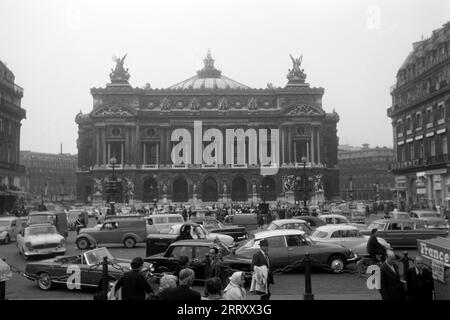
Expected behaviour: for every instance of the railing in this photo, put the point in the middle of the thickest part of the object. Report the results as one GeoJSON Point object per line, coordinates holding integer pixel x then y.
{"type": "Point", "coordinates": [421, 162]}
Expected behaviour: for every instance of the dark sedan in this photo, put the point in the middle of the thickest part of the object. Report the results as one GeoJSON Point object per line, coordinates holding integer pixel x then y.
{"type": "Point", "coordinates": [215, 226]}
{"type": "Point", "coordinates": [196, 251]}
{"type": "Point", "coordinates": [61, 270]}
{"type": "Point", "coordinates": [404, 232]}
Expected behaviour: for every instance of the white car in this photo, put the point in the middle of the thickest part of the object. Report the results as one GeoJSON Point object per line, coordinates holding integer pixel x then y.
{"type": "Point", "coordinates": [40, 239]}
{"type": "Point", "coordinates": [340, 219]}
{"type": "Point", "coordinates": [283, 224]}
{"type": "Point", "coordinates": [199, 232]}
{"type": "Point", "coordinates": [10, 226]}
{"type": "Point", "coordinates": [345, 235]}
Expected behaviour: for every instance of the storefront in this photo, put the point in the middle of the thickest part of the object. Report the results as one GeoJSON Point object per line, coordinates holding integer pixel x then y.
{"type": "Point", "coordinates": [436, 252]}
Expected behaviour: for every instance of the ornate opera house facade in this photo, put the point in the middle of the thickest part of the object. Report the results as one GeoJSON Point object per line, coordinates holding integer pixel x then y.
{"type": "Point", "coordinates": [286, 150]}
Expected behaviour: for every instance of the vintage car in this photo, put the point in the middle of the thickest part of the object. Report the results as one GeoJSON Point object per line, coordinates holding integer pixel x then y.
{"type": "Point", "coordinates": [340, 219]}
{"type": "Point", "coordinates": [158, 242]}
{"type": "Point", "coordinates": [312, 221]}
{"type": "Point", "coordinates": [10, 226]}
{"type": "Point", "coordinates": [214, 226]}
{"type": "Point", "coordinates": [399, 215]}
{"type": "Point", "coordinates": [196, 251]}
{"type": "Point", "coordinates": [403, 232]}
{"type": "Point", "coordinates": [57, 218]}
{"type": "Point", "coordinates": [296, 224]}
{"type": "Point", "coordinates": [49, 272]}
{"type": "Point", "coordinates": [115, 229]}
{"type": "Point", "coordinates": [287, 247]}
{"type": "Point", "coordinates": [40, 239]}
{"type": "Point", "coordinates": [344, 235]}
{"type": "Point", "coordinates": [432, 219]}
{"type": "Point", "coordinates": [161, 223]}
{"type": "Point", "coordinates": [248, 220]}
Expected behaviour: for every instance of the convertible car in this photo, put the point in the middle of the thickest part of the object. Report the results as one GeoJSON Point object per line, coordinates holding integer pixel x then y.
{"type": "Point", "coordinates": [49, 272]}
{"type": "Point", "coordinates": [215, 226]}
{"type": "Point", "coordinates": [286, 247]}
{"type": "Point", "coordinates": [159, 242]}
{"type": "Point", "coordinates": [197, 250]}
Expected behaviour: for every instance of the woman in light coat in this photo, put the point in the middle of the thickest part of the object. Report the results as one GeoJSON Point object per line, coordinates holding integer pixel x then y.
{"type": "Point", "coordinates": [235, 289]}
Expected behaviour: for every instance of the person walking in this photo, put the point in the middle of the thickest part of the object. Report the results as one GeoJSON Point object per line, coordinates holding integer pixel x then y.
{"type": "Point", "coordinates": [184, 291]}
{"type": "Point", "coordinates": [260, 219]}
{"type": "Point", "coordinates": [133, 283]}
{"type": "Point", "coordinates": [419, 280]}
{"type": "Point", "coordinates": [184, 214]}
{"type": "Point", "coordinates": [214, 266]}
{"type": "Point", "coordinates": [261, 258]}
{"type": "Point", "coordinates": [392, 287]}
{"type": "Point", "coordinates": [235, 289]}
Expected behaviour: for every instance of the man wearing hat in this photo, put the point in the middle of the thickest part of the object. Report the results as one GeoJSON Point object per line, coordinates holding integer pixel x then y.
{"type": "Point", "coordinates": [261, 258]}
{"type": "Point", "coordinates": [133, 283]}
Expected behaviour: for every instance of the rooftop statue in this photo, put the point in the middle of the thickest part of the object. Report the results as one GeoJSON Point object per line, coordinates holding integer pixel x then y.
{"type": "Point", "coordinates": [119, 74]}
{"type": "Point", "coordinates": [296, 74]}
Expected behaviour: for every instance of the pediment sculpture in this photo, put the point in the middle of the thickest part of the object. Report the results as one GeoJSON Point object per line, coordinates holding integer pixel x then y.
{"type": "Point", "coordinates": [114, 111]}
{"type": "Point", "coordinates": [304, 110]}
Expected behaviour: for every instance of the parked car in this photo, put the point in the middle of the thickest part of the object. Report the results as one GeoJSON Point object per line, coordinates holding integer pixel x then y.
{"type": "Point", "coordinates": [432, 219]}
{"type": "Point", "coordinates": [399, 215]}
{"type": "Point", "coordinates": [161, 223]}
{"type": "Point", "coordinates": [247, 220]}
{"type": "Point", "coordinates": [344, 235]}
{"type": "Point", "coordinates": [296, 224]}
{"type": "Point", "coordinates": [287, 247]}
{"type": "Point", "coordinates": [214, 226]}
{"type": "Point", "coordinates": [403, 232]}
{"type": "Point", "coordinates": [89, 263]}
{"type": "Point", "coordinates": [10, 226]}
{"type": "Point", "coordinates": [128, 231]}
{"type": "Point", "coordinates": [339, 219]}
{"type": "Point", "coordinates": [40, 239]}
{"type": "Point", "coordinates": [158, 242]}
{"type": "Point", "coordinates": [57, 218]}
{"type": "Point", "coordinates": [196, 250]}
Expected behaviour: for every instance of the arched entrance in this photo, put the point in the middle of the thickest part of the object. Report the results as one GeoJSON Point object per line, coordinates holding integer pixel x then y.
{"type": "Point", "coordinates": [150, 190]}
{"type": "Point", "coordinates": [268, 192]}
{"type": "Point", "coordinates": [180, 190]}
{"type": "Point", "coordinates": [209, 190]}
{"type": "Point", "coordinates": [239, 190]}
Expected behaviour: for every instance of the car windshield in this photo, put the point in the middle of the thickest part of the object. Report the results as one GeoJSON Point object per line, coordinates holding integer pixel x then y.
{"type": "Point", "coordinates": [40, 218]}
{"type": "Point", "coordinates": [4, 223]}
{"type": "Point", "coordinates": [376, 225]}
{"type": "Point", "coordinates": [96, 256]}
{"type": "Point", "coordinates": [319, 234]}
{"type": "Point", "coordinates": [247, 245]}
{"type": "Point", "coordinates": [40, 230]}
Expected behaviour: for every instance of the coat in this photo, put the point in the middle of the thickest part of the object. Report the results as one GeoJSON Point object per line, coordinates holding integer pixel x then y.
{"type": "Point", "coordinates": [392, 288]}
{"type": "Point", "coordinates": [259, 260]}
{"type": "Point", "coordinates": [180, 293]}
{"type": "Point", "coordinates": [420, 287]}
{"type": "Point", "coordinates": [259, 280]}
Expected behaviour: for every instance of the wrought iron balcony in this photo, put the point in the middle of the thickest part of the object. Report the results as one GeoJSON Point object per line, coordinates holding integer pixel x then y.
{"type": "Point", "coordinates": [421, 162]}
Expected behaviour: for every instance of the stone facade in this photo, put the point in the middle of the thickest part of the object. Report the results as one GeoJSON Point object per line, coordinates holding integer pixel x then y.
{"type": "Point", "coordinates": [11, 115]}
{"type": "Point", "coordinates": [137, 125]}
{"type": "Point", "coordinates": [420, 116]}
{"type": "Point", "coordinates": [364, 173]}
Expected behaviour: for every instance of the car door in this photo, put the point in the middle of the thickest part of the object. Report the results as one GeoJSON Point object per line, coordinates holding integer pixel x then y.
{"type": "Point", "coordinates": [394, 234]}
{"type": "Point", "coordinates": [297, 248]}
{"type": "Point", "coordinates": [278, 252]}
{"type": "Point", "coordinates": [410, 233]}
{"type": "Point", "coordinates": [108, 232]}
{"type": "Point", "coordinates": [337, 237]}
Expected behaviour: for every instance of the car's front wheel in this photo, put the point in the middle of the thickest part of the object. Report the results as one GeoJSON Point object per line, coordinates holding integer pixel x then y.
{"type": "Point", "coordinates": [129, 242]}
{"type": "Point", "coordinates": [336, 263]}
{"type": "Point", "coordinates": [44, 281]}
{"type": "Point", "coordinates": [83, 243]}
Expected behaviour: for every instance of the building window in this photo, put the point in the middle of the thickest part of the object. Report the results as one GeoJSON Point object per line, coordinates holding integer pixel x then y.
{"type": "Point", "coordinates": [432, 147]}
{"type": "Point", "coordinates": [418, 120]}
{"type": "Point", "coordinates": [409, 124]}
{"type": "Point", "coordinates": [1, 125]}
{"type": "Point", "coordinates": [441, 111]}
{"type": "Point", "coordinates": [444, 144]}
{"type": "Point", "coordinates": [116, 150]}
{"type": "Point", "coordinates": [430, 116]}
{"type": "Point", "coordinates": [150, 153]}
{"type": "Point", "coordinates": [411, 149]}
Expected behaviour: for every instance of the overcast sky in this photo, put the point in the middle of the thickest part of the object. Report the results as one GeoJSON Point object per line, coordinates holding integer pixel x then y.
{"type": "Point", "coordinates": [59, 50]}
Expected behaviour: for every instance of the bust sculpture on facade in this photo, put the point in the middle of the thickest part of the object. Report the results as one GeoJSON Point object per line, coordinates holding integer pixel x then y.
{"type": "Point", "coordinates": [119, 74]}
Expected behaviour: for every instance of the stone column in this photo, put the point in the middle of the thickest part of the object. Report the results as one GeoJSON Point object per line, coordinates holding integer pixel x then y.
{"type": "Point", "coordinates": [137, 146]}
{"type": "Point", "coordinates": [289, 145]}
{"type": "Point", "coordinates": [318, 145]}
{"type": "Point", "coordinates": [283, 149]}
{"type": "Point", "coordinates": [307, 151]}
{"type": "Point", "coordinates": [163, 146]}
{"type": "Point", "coordinates": [313, 146]}
{"type": "Point", "coordinates": [104, 146]}
{"type": "Point", "coordinates": [97, 146]}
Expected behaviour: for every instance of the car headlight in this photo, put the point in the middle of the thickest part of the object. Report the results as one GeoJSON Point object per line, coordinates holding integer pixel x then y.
{"type": "Point", "coordinates": [62, 243]}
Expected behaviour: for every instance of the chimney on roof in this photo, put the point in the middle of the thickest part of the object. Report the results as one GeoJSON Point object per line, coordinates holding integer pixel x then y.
{"type": "Point", "coordinates": [365, 146]}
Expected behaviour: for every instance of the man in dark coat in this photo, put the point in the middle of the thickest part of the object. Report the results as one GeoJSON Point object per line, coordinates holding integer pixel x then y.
{"type": "Point", "coordinates": [184, 291]}
{"type": "Point", "coordinates": [392, 288]}
{"type": "Point", "coordinates": [184, 214]}
{"type": "Point", "coordinates": [133, 283]}
{"type": "Point", "coordinates": [261, 258]}
{"type": "Point", "coordinates": [374, 248]}
{"type": "Point", "coordinates": [214, 266]}
{"type": "Point", "coordinates": [420, 281]}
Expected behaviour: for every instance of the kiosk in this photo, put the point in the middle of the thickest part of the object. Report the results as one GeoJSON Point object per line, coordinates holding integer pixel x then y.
{"type": "Point", "coordinates": [437, 252]}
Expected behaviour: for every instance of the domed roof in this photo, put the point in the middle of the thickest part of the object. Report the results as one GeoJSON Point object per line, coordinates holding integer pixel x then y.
{"type": "Point", "coordinates": [209, 78]}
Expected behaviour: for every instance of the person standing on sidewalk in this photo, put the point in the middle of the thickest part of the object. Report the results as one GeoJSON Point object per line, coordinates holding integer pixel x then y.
{"type": "Point", "coordinates": [261, 258]}
{"type": "Point", "coordinates": [392, 287]}
{"type": "Point", "coordinates": [133, 283]}
{"type": "Point", "coordinates": [420, 281]}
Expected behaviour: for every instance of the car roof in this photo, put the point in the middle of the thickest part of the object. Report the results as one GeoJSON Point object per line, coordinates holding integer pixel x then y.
{"type": "Point", "coordinates": [203, 218]}
{"type": "Point", "coordinates": [275, 233]}
{"type": "Point", "coordinates": [163, 215]}
{"type": "Point", "coordinates": [331, 215]}
{"type": "Point", "coordinates": [335, 227]}
{"type": "Point", "coordinates": [193, 242]}
{"type": "Point", "coordinates": [286, 221]}
{"type": "Point", "coordinates": [40, 225]}
{"type": "Point", "coordinates": [36, 213]}
{"type": "Point", "coordinates": [425, 211]}
{"type": "Point", "coordinates": [394, 220]}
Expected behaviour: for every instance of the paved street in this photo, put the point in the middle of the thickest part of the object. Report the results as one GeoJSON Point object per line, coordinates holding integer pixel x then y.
{"type": "Point", "coordinates": [346, 286]}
